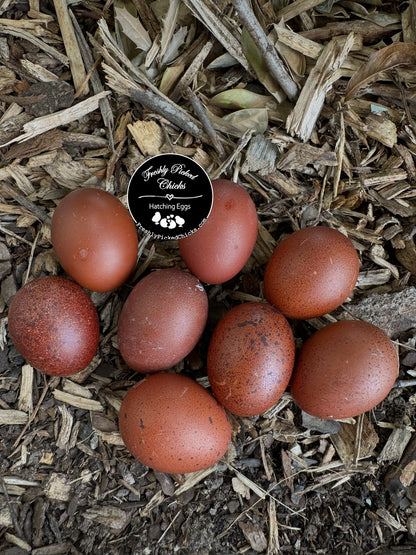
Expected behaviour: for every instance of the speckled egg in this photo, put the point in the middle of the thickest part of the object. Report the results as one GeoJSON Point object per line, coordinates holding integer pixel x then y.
{"type": "Point", "coordinates": [311, 272]}
{"type": "Point", "coordinates": [250, 358]}
{"type": "Point", "coordinates": [162, 320]}
{"type": "Point", "coordinates": [172, 424]}
{"type": "Point", "coordinates": [54, 325]}
{"type": "Point", "coordinates": [344, 369]}
{"type": "Point", "coordinates": [95, 239]}
{"type": "Point", "coordinates": [221, 247]}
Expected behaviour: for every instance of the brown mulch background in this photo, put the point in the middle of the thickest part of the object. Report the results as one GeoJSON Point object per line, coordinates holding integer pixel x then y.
{"type": "Point", "coordinates": [84, 99]}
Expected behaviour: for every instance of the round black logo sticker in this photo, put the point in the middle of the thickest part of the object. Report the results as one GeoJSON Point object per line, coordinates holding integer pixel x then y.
{"type": "Point", "coordinates": [169, 196]}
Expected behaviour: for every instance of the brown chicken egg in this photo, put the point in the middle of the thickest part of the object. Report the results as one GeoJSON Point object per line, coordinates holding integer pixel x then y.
{"type": "Point", "coordinates": [344, 369]}
{"type": "Point", "coordinates": [162, 320]}
{"type": "Point", "coordinates": [311, 272]}
{"type": "Point", "coordinates": [221, 247]}
{"type": "Point", "coordinates": [95, 239]}
{"type": "Point", "coordinates": [54, 325]}
{"type": "Point", "coordinates": [172, 424]}
{"type": "Point", "coordinates": [250, 358]}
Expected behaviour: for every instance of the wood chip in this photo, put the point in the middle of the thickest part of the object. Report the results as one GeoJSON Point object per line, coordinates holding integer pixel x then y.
{"type": "Point", "coordinates": [67, 421]}
{"type": "Point", "coordinates": [18, 542]}
{"type": "Point", "coordinates": [13, 417]}
{"type": "Point", "coordinates": [396, 444]}
{"type": "Point", "coordinates": [345, 441]}
{"type": "Point", "coordinates": [254, 535]}
{"type": "Point", "coordinates": [63, 117]}
{"type": "Point", "coordinates": [76, 389]}
{"type": "Point", "coordinates": [57, 487]}
{"type": "Point", "coordinates": [147, 135]}
{"type": "Point", "coordinates": [109, 516]}
{"type": "Point", "coordinates": [302, 119]}
{"type": "Point", "coordinates": [26, 389]}
{"type": "Point", "coordinates": [76, 401]}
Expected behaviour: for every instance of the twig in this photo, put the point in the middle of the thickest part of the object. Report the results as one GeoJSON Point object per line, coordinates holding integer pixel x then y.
{"type": "Point", "coordinates": [200, 111]}
{"type": "Point", "coordinates": [23, 201]}
{"type": "Point", "coordinates": [242, 143]}
{"type": "Point", "coordinates": [104, 104]}
{"type": "Point", "coordinates": [274, 63]}
{"type": "Point", "coordinates": [358, 439]}
{"type": "Point", "coordinates": [32, 253]}
{"type": "Point", "coordinates": [165, 109]}
{"type": "Point", "coordinates": [7, 231]}
{"type": "Point", "coordinates": [71, 45]}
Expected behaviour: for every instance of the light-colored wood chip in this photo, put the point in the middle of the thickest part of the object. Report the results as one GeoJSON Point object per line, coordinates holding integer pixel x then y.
{"type": "Point", "coordinates": [76, 401]}
{"type": "Point", "coordinates": [76, 389]}
{"type": "Point", "coordinates": [67, 421]}
{"type": "Point", "coordinates": [13, 417]}
{"type": "Point", "coordinates": [148, 136]}
{"type": "Point", "coordinates": [395, 445]}
{"type": "Point", "coordinates": [25, 403]}
{"type": "Point", "coordinates": [302, 119]}
{"type": "Point", "coordinates": [58, 487]}
{"type": "Point", "coordinates": [71, 44]}
{"type": "Point", "coordinates": [63, 117]}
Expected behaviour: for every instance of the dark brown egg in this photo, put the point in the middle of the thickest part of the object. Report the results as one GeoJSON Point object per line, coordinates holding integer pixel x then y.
{"type": "Point", "coordinates": [162, 320]}
{"type": "Point", "coordinates": [311, 272]}
{"type": "Point", "coordinates": [95, 239]}
{"type": "Point", "coordinates": [344, 369]}
{"type": "Point", "coordinates": [221, 247]}
{"type": "Point", "coordinates": [172, 424]}
{"type": "Point", "coordinates": [54, 325]}
{"type": "Point", "coordinates": [250, 358]}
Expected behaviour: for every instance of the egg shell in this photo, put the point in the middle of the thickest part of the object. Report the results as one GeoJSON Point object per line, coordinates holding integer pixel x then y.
{"type": "Point", "coordinates": [172, 424]}
{"type": "Point", "coordinates": [221, 247]}
{"type": "Point", "coordinates": [250, 358]}
{"type": "Point", "coordinates": [54, 325]}
{"type": "Point", "coordinates": [344, 370]}
{"type": "Point", "coordinates": [311, 272]}
{"type": "Point", "coordinates": [95, 239]}
{"type": "Point", "coordinates": [162, 320]}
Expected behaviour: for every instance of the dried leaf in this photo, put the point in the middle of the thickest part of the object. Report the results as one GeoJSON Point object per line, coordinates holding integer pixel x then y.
{"type": "Point", "coordinates": [205, 11]}
{"type": "Point", "coordinates": [396, 54]}
{"type": "Point", "coordinates": [170, 77]}
{"type": "Point", "coordinates": [169, 24]}
{"type": "Point", "coordinates": [133, 29]}
{"type": "Point", "coordinates": [222, 62]}
{"type": "Point", "coordinates": [174, 45]}
{"type": "Point", "coordinates": [255, 119]}
{"type": "Point", "coordinates": [253, 55]}
{"type": "Point", "coordinates": [293, 58]}
{"type": "Point", "coordinates": [234, 99]}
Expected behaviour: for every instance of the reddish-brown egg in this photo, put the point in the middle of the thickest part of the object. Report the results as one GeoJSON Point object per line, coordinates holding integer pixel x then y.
{"type": "Point", "coordinates": [311, 272]}
{"type": "Point", "coordinates": [95, 239]}
{"type": "Point", "coordinates": [250, 358]}
{"type": "Point", "coordinates": [162, 320]}
{"type": "Point", "coordinates": [54, 325]}
{"type": "Point", "coordinates": [344, 369]}
{"type": "Point", "coordinates": [221, 247]}
{"type": "Point", "coordinates": [172, 424]}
